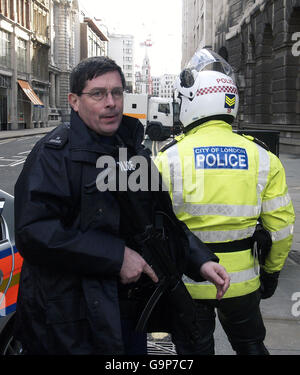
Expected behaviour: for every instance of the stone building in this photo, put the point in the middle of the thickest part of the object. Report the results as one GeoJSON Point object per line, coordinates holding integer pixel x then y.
{"type": "Point", "coordinates": [166, 88]}
{"type": "Point", "coordinates": [155, 85]}
{"type": "Point", "coordinates": [24, 46]}
{"type": "Point", "coordinates": [40, 43]}
{"type": "Point", "coordinates": [74, 36]}
{"type": "Point", "coordinates": [63, 56]}
{"type": "Point", "coordinates": [259, 38]}
{"type": "Point", "coordinates": [39, 50]}
{"type": "Point", "coordinates": [146, 76]}
{"type": "Point", "coordinates": [93, 39]}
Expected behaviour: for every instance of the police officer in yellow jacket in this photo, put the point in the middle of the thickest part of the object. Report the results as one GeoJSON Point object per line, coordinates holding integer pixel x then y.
{"type": "Point", "coordinates": [222, 184]}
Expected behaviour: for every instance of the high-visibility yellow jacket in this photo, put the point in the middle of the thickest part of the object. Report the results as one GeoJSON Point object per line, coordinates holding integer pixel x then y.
{"type": "Point", "coordinates": [221, 183]}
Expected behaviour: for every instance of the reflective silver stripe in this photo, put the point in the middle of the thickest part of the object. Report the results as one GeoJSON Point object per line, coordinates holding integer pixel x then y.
{"type": "Point", "coordinates": [221, 209]}
{"type": "Point", "coordinates": [283, 233]}
{"type": "Point", "coordinates": [263, 172]}
{"type": "Point", "coordinates": [235, 277]}
{"type": "Point", "coordinates": [224, 235]}
{"type": "Point", "coordinates": [175, 177]}
{"type": "Point", "coordinates": [276, 203]}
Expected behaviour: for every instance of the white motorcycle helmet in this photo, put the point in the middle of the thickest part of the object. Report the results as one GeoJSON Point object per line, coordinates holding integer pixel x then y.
{"type": "Point", "coordinates": [207, 88]}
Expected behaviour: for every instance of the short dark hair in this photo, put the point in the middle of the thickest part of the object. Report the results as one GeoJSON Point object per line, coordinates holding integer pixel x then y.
{"type": "Point", "coordinates": [91, 68]}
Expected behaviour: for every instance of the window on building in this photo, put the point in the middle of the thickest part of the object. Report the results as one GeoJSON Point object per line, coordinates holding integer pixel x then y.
{"type": "Point", "coordinates": [22, 100]}
{"type": "Point", "coordinates": [20, 7]}
{"type": "Point", "coordinates": [4, 48]}
{"type": "Point", "coordinates": [96, 47]}
{"type": "Point", "coordinates": [90, 46]}
{"type": "Point", "coordinates": [45, 2]}
{"type": "Point", "coordinates": [5, 82]}
{"type": "Point", "coordinates": [40, 18]}
{"type": "Point", "coordinates": [21, 55]}
{"type": "Point", "coordinates": [127, 42]}
{"type": "Point", "coordinates": [40, 62]}
{"type": "Point", "coordinates": [38, 112]}
{"type": "Point", "coordinates": [5, 102]}
{"type": "Point", "coordinates": [7, 8]}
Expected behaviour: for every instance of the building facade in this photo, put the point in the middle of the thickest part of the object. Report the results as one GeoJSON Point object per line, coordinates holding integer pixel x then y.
{"type": "Point", "coordinates": [146, 76]}
{"type": "Point", "coordinates": [63, 56]}
{"type": "Point", "coordinates": [121, 49]}
{"type": "Point", "coordinates": [40, 43]}
{"type": "Point", "coordinates": [39, 46]}
{"type": "Point", "coordinates": [259, 38]}
{"type": "Point", "coordinates": [23, 40]}
{"type": "Point", "coordinates": [155, 86]}
{"type": "Point", "coordinates": [93, 40]}
{"type": "Point", "coordinates": [74, 36]}
{"type": "Point", "coordinates": [166, 85]}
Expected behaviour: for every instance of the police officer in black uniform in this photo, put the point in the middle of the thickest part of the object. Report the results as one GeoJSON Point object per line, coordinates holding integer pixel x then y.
{"type": "Point", "coordinates": [78, 270]}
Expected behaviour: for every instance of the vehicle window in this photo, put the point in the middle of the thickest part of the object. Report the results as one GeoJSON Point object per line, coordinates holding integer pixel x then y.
{"type": "Point", "coordinates": [164, 107]}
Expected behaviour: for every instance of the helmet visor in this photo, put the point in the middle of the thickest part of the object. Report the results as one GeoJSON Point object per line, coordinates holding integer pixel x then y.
{"type": "Point", "coordinates": [204, 59]}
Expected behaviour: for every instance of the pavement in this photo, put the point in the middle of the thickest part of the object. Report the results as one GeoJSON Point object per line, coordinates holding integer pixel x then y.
{"type": "Point", "coordinates": [6, 134]}
{"type": "Point", "coordinates": [281, 313]}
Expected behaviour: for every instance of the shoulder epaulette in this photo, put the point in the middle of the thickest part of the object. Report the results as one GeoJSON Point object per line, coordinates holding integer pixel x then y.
{"type": "Point", "coordinates": [58, 137]}
{"type": "Point", "coordinates": [257, 141]}
{"type": "Point", "coordinates": [172, 143]}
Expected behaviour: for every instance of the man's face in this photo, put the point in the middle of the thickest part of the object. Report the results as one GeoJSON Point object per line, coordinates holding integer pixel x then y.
{"type": "Point", "coordinates": [103, 116]}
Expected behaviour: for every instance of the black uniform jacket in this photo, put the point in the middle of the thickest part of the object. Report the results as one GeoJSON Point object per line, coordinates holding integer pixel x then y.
{"type": "Point", "coordinates": [67, 232]}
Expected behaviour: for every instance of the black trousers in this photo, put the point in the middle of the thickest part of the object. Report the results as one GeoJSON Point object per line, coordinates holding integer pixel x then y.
{"type": "Point", "coordinates": [241, 320]}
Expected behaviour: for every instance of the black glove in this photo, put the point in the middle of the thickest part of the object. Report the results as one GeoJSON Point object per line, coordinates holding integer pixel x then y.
{"type": "Point", "coordinates": [264, 243]}
{"type": "Point", "coordinates": [268, 283]}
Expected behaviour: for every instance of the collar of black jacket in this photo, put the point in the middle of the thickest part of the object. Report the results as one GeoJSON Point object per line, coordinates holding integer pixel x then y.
{"type": "Point", "coordinates": [86, 145]}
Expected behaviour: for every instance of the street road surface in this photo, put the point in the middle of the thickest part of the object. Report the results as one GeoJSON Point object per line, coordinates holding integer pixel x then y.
{"type": "Point", "coordinates": [13, 153]}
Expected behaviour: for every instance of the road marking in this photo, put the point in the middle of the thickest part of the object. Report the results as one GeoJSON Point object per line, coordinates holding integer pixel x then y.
{"type": "Point", "coordinates": [13, 161]}
{"type": "Point", "coordinates": [19, 162]}
{"type": "Point", "coordinates": [21, 139]}
{"type": "Point", "coordinates": [20, 158]}
{"type": "Point", "coordinates": [7, 141]}
{"type": "Point", "coordinates": [4, 159]}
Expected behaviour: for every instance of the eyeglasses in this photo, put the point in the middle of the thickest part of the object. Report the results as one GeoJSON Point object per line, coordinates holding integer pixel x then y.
{"type": "Point", "coordinates": [99, 94]}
